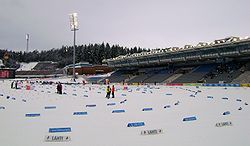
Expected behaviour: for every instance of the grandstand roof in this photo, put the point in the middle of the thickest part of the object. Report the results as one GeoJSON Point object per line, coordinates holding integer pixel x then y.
{"type": "Point", "coordinates": [80, 64]}
{"type": "Point", "coordinates": [200, 45]}
{"type": "Point", "coordinates": [227, 47]}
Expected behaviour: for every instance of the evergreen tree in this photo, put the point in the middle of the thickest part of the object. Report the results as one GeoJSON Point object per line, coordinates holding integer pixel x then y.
{"type": "Point", "coordinates": [92, 53]}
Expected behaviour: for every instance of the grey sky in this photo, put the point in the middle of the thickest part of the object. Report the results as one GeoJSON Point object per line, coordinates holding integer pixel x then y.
{"type": "Point", "coordinates": [144, 23]}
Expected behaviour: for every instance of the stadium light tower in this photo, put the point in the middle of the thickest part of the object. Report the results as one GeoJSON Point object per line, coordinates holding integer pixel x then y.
{"type": "Point", "coordinates": [27, 43]}
{"type": "Point", "coordinates": [74, 27]}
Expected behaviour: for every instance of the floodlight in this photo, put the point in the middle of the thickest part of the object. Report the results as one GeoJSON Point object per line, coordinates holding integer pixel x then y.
{"type": "Point", "coordinates": [73, 21]}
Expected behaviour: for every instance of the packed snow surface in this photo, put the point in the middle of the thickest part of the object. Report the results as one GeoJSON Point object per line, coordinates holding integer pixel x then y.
{"type": "Point", "coordinates": [137, 116]}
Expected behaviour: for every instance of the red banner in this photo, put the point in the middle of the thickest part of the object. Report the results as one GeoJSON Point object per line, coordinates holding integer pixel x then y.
{"type": "Point", "coordinates": [174, 84]}
{"type": "Point", "coordinates": [4, 74]}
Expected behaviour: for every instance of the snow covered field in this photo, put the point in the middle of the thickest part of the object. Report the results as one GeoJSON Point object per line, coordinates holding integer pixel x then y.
{"type": "Point", "coordinates": [160, 124]}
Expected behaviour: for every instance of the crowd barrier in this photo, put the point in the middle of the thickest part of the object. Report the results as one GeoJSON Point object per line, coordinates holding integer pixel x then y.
{"type": "Point", "coordinates": [245, 85]}
{"type": "Point", "coordinates": [174, 84]}
{"type": "Point", "coordinates": [192, 84]}
{"type": "Point", "coordinates": [208, 84]}
{"type": "Point", "coordinates": [221, 85]}
{"type": "Point", "coordinates": [198, 84]}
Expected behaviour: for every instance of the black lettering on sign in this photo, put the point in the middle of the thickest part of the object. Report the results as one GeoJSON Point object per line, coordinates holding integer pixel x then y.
{"type": "Point", "coordinates": [54, 138]}
{"type": "Point", "coordinates": [151, 132]}
{"type": "Point", "coordinates": [222, 124]}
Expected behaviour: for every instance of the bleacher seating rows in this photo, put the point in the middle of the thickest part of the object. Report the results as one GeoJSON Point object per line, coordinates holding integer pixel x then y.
{"type": "Point", "coordinates": [94, 79]}
{"type": "Point", "coordinates": [224, 72]}
{"type": "Point", "coordinates": [159, 77]}
{"type": "Point", "coordinates": [196, 74]}
{"type": "Point", "coordinates": [185, 74]}
{"type": "Point", "coordinates": [118, 76]}
{"type": "Point", "coordinates": [47, 65]}
{"type": "Point", "coordinates": [141, 77]}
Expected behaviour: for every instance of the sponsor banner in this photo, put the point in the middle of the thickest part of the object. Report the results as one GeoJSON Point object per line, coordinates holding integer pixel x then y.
{"type": "Point", "coordinates": [151, 132]}
{"type": "Point", "coordinates": [110, 104]}
{"type": "Point", "coordinates": [222, 124]}
{"type": "Point", "coordinates": [174, 84]}
{"type": "Point", "coordinates": [54, 138]}
{"type": "Point", "coordinates": [80, 113]}
{"type": "Point", "coordinates": [192, 84]}
{"type": "Point", "coordinates": [193, 118]}
{"type": "Point", "coordinates": [136, 124]}
{"type": "Point", "coordinates": [118, 111]}
{"type": "Point", "coordinates": [147, 109]}
{"type": "Point", "coordinates": [226, 113]}
{"type": "Point", "coordinates": [91, 105]}
{"type": "Point", "coordinates": [50, 107]}
{"type": "Point", "coordinates": [54, 130]}
{"type": "Point", "coordinates": [221, 85]}
{"type": "Point", "coordinates": [135, 84]}
{"type": "Point", "coordinates": [32, 115]}
{"type": "Point", "coordinates": [245, 85]}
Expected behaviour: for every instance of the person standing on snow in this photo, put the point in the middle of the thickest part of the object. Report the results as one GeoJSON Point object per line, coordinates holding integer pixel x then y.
{"type": "Point", "coordinates": [59, 88]}
{"type": "Point", "coordinates": [108, 91]}
{"type": "Point", "coordinates": [113, 91]}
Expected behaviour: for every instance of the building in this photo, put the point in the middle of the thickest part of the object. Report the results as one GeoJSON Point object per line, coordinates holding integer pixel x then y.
{"type": "Point", "coordinates": [87, 69]}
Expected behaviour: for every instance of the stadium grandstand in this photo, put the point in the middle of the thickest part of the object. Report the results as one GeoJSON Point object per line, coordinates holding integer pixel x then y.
{"type": "Point", "coordinates": [27, 66]}
{"type": "Point", "coordinates": [220, 61]}
{"type": "Point", "coordinates": [39, 70]}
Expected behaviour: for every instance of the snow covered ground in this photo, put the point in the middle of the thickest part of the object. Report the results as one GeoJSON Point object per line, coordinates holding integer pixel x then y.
{"type": "Point", "coordinates": [98, 126]}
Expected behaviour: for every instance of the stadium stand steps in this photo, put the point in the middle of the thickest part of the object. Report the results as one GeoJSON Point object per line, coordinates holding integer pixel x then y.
{"type": "Point", "coordinates": [196, 74]}
{"type": "Point", "coordinates": [243, 78]}
{"type": "Point", "coordinates": [141, 78]}
{"type": "Point", "coordinates": [159, 77]}
{"type": "Point", "coordinates": [172, 78]}
{"type": "Point", "coordinates": [119, 76]}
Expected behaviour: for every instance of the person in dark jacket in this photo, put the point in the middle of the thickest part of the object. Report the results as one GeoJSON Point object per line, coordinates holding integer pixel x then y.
{"type": "Point", "coordinates": [59, 88]}
{"type": "Point", "coordinates": [113, 91]}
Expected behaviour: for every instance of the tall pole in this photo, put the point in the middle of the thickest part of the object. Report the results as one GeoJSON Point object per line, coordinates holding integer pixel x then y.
{"type": "Point", "coordinates": [74, 55]}
{"type": "Point", "coordinates": [74, 27]}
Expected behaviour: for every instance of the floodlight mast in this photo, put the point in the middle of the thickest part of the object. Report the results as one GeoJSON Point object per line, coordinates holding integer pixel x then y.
{"type": "Point", "coordinates": [74, 27]}
{"type": "Point", "coordinates": [27, 42]}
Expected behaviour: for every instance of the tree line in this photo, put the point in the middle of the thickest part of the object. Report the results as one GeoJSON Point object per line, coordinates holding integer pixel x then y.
{"type": "Point", "coordinates": [92, 53]}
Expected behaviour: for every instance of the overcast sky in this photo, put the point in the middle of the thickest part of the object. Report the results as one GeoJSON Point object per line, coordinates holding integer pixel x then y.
{"type": "Point", "coordinates": [144, 23]}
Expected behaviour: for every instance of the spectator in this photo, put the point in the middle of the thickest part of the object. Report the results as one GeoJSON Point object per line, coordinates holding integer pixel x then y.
{"type": "Point", "coordinates": [59, 88]}
{"type": "Point", "coordinates": [108, 91]}
{"type": "Point", "coordinates": [16, 84]}
{"type": "Point", "coordinates": [113, 91]}
{"type": "Point", "coordinates": [12, 84]}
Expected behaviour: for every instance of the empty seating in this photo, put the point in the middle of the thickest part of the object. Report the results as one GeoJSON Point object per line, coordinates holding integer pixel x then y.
{"type": "Point", "coordinates": [159, 77]}
{"type": "Point", "coordinates": [196, 74]}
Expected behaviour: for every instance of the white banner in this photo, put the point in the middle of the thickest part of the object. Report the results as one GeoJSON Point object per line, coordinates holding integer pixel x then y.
{"type": "Point", "coordinates": [222, 124]}
{"type": "Point", "coordinates": [151, 132]}
{"type": "Point", "coordinates": [54, 138]}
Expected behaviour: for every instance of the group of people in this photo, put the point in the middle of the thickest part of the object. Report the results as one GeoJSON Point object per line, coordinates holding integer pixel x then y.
{"type": "Point", "coordinates": [110, 91]}
{"type": "Point", "coordinates": [14, 85]}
